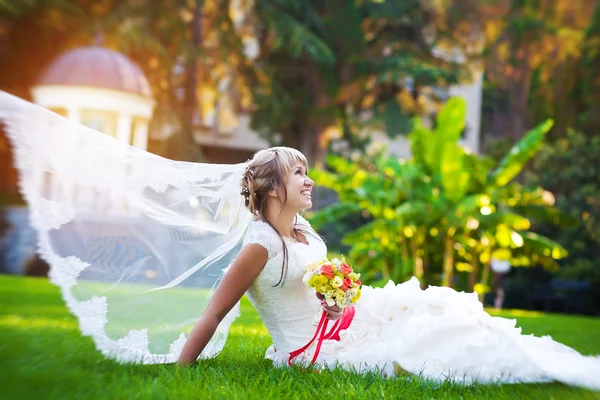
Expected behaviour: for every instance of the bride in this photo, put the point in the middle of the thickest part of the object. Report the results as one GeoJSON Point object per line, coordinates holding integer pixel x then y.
{"type": "Point", "coordinates": [153, 264]}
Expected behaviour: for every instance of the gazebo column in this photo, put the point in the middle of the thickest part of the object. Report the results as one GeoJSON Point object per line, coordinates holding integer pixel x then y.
{"type": "Point", "coordinates": [60, 190]}
{"type": "Point", "coordinates": [140, 138]}
{"type": "Point", "coordinates": [74, 114]}
{"type": "Point", "coordinates": [124, 128]}
{"type": "Point", "coordinates": [124, 125]}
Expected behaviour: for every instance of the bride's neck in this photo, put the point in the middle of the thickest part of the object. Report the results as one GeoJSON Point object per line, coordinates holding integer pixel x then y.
{"type": "Point", "coordinates": [283, 220]}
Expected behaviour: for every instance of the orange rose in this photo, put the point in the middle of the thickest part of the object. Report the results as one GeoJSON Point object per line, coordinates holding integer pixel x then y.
{"type": "Point", "coordinates": [327, 271]}
{"type": "Point", "coordinates": [347, 284]}
{"type": "Point", "coordinates": [345, 269]}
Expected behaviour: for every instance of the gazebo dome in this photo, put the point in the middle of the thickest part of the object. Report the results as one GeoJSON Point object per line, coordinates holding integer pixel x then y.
{"type": "Point", "coordinates": [96, 66]}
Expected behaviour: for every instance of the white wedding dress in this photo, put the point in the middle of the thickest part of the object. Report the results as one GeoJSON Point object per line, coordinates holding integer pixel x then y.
{"type": "Point", "coordinates": [437, 332]}
{"type": "Point", "coordinates": [137, 242]}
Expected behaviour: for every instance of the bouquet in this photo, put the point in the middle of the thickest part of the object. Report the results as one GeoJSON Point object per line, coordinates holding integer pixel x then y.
{"type": "Point", "coordinates": [338, 284]}
{"type": "Point", "coordinates": [335, 280]}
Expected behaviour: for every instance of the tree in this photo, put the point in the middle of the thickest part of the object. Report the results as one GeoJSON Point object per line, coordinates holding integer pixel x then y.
{"type": "Point", "coordinates": [532, 51]}
{"type": "Point", "coordinates": [588, 90]}
{"type": "Point", "coordinates": [330, 68]}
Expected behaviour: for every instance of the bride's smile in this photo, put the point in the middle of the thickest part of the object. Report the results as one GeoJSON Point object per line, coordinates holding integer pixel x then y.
{"type": "Point", "coordinates": [299, 188]}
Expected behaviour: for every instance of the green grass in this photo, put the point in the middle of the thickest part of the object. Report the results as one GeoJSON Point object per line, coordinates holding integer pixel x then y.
{"type": "Point", "coordinates": [42, 355]}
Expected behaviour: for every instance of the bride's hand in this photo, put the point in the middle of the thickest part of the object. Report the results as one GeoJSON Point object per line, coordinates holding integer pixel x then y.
{"type": "Point", "coordinates": [333, 312]}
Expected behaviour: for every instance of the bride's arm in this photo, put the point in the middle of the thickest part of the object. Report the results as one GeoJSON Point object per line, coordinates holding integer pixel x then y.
{"type": "Point", "coordinates": [246, 267]}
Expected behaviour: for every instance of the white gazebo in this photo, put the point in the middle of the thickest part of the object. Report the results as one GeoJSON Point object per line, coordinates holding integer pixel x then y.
{"type": "Point", "coordinates": [99, 88]}
{"type": "Point", "coordinates": [106, 91]}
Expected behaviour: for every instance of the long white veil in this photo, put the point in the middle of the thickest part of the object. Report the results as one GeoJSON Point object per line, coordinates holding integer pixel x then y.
{"type": "Point", "coordinates": [136, 242]}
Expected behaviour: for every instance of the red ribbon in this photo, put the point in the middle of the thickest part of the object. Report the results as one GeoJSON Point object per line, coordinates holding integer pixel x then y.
{"type": "Point", "coordinates": [321, 333]}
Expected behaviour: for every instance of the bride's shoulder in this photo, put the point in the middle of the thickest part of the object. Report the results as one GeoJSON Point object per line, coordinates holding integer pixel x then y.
{"type": "Point", "coordinates": [261, 233]}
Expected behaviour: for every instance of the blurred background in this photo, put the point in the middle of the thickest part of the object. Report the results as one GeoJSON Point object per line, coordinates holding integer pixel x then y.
{"type": "Point", "coordinates": [453, 140]}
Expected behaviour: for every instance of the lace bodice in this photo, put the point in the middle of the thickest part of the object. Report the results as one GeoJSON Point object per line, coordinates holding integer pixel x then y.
{"type": "Point", "coordinates": [287, 310]}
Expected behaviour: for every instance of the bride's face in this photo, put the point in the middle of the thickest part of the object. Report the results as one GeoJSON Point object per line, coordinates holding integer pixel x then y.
{"type": "Point", "coordinates": [298, 187]}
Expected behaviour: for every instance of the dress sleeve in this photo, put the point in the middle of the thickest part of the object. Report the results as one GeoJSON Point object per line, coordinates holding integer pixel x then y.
{"type": "Point", "coordinates": [262, 234]}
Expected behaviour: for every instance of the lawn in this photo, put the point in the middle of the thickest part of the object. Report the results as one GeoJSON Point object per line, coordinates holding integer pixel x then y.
{"type": "Point", "coordinates": [42, 355]}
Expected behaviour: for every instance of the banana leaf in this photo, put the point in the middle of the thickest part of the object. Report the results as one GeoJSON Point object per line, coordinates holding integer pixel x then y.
{"type": "Point", "coordinates": [520, 154]}
{"type": "Point", "coordinates": [455, 177]}
{"type": "Point", "coordinates": [543, 245]}
{"type": "Point", "coordinates": [450, 124]}
{"type": "Point", "coordinates": [510, 219]}
{"type": "Point", "coordinates": [419, 139]}
{"type": "Point", "coordinates": [543, 213]}
{"type": "Point", "coordinates": [451, 120]}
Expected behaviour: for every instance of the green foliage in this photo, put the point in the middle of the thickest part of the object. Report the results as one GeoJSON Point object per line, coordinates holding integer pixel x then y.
{"type": "Point", "coordinates": [442, 201]}
{"type": "Point", "coordinates": [569, 169]}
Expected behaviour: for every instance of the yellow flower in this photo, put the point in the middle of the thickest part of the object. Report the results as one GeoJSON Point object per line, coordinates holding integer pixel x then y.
{"type": "Point", "coordinates": [354, 276]}
{"type": "Point", "coordinates": [316, 280]}
{"type": "Point", "coordinates": [356, 296]}
{"type": "Point", "coordinates": [340, 297]}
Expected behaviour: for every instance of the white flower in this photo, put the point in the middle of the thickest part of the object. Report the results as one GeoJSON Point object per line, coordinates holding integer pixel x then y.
{"type": "Point", "coordinates": [341, 299]}
{"type": "Point", "coordinates": [330, 301]}
{"type": "Point", "coordinates": [337, 282]}
{"type": "Point", "coordinates": [351, 293]}
{"type": "Point", "coordinates": [336, 262]}
{"type": "Point", "coordinates": [307, 276]}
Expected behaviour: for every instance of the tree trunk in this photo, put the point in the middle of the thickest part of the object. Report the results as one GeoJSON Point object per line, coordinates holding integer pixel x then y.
{"type": "Point", "coordinates": [426, 276]}
{"type": "Point", "coordinates": [401, 267]}
{"type": "Point", "coordinates": [306, 144]}
{"type": "Point", "coordinates": [312, 135]}
{"type": "Point", "coordinates": [448, 262]}
{"type": "Point", "coordinates": [189, 148]}
{"type": "Point", "coordinates": [418, 267]}
{"type": "Point", "coordinates": [309, 138]}
{"type": "Point", "coordinates": [485, 276]}
{"type": "Point", "coordinates": [475, 270]}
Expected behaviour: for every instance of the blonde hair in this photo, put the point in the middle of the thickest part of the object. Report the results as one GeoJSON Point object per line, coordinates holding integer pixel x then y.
{"type": "Point", "coordinates": [264, 173]}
